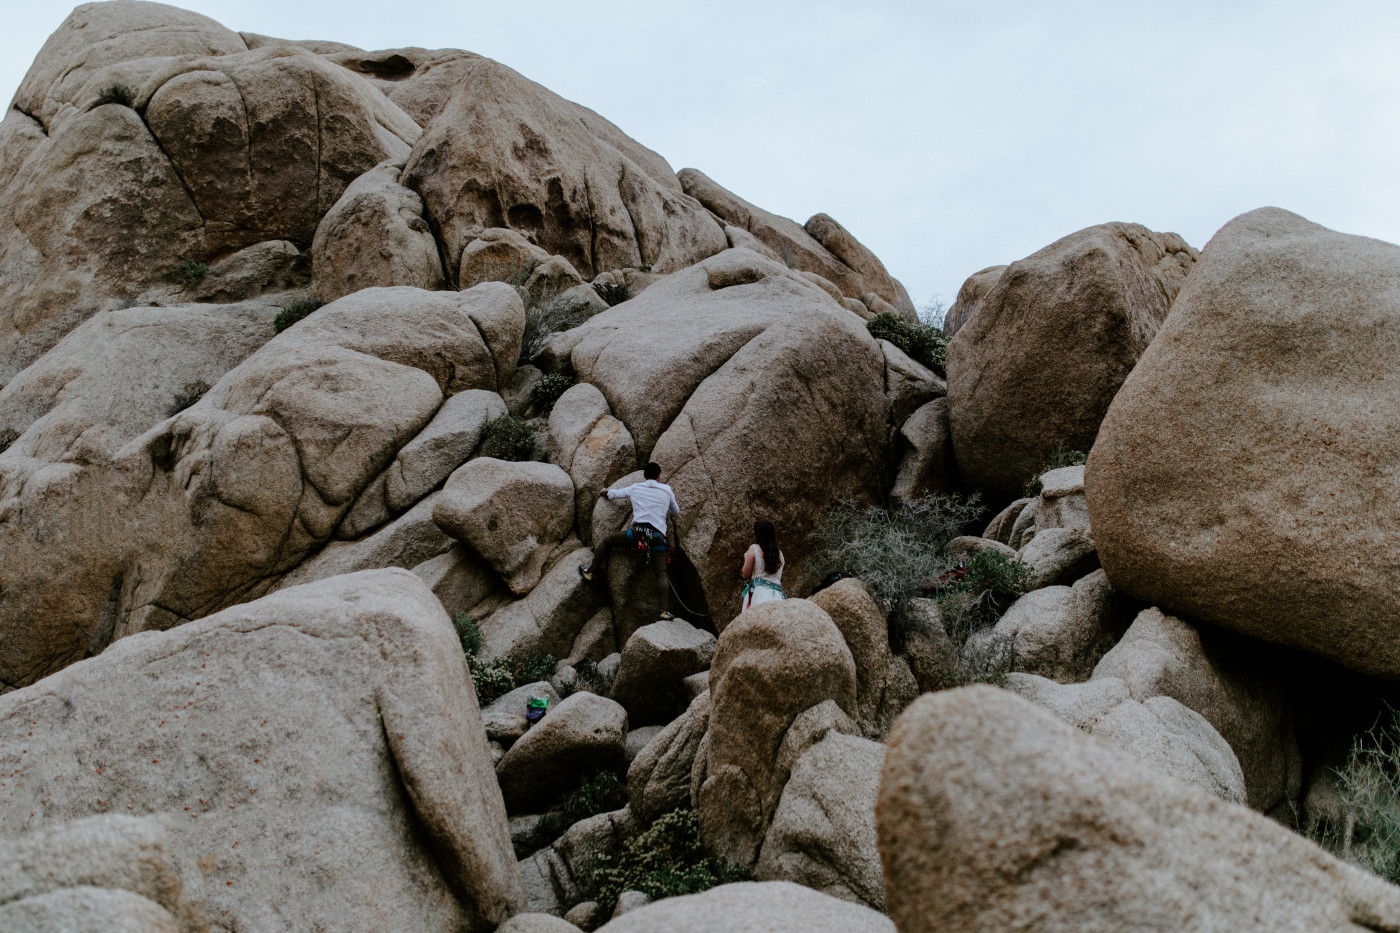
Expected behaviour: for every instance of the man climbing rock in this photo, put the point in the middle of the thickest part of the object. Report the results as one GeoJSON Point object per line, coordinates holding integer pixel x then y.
{"type": "Point", "coordinates": [653, 502]}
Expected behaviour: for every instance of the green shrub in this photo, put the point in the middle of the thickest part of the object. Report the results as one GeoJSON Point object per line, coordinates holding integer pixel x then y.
{"type": "Point", "coordinates": [592, 680]}
{"type": "Point", "coordinates": [493, 678]}
{"type": "Point", "coordinates": [601, 793]}
{"type": "Point", "coordinates": [508, 438]}
{"type": "Point", "coordinates": [548, 318]}
{"type": "Point", "coordinates": [993, 582]}
{"type": "Point", "coordinates": [1369, 785]}
{"type": "Point", "coordinates": [1060, 456]}
{"type": "Point", "coordinates": [190, 394]}
{"type": "Point", "coordinates": [468, 632]}
{"type": "Point", "coordinates": [116, 93]}
{"type": "Point", "coordinates": [612, 293]}
{"type": "Point", "coordinates": [897, 552]}
{"type": "Point", "coordinates": [665, 861]}
{"type": "Point", "coordinates": [923, 343]}
{"type": "Point", "coordinates": [547, 391]}
{"type": "Point", "coordinates": [189, 273]}
{"type": "Point", "coordinates": [534, 667]}
{"type": "Point", "coordinates": [294, 312]}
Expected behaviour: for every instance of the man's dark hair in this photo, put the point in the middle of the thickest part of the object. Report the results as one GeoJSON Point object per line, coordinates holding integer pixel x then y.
{"type": "Point", "coordinates": [652, 471]}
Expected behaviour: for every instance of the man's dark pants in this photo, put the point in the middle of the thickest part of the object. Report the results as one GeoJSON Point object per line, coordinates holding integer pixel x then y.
{"type": "Point", "coordinates": [658, 565]}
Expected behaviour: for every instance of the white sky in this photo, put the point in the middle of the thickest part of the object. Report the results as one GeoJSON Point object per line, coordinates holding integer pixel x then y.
{"type": "Point", "coordinates": [948, 135]}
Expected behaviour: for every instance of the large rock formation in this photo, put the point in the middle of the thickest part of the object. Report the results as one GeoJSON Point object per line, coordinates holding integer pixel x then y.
{"type": "Point", "coordinates": [1244, 475]}
{"type": "Point", "coordinates": [770, 907]}
{"type": "Point", "coordinates": [1050, 344]}
{"type": "Point", "coordinates": [331, 727]}
{"type": "Point", "coordinates": [993, 816]}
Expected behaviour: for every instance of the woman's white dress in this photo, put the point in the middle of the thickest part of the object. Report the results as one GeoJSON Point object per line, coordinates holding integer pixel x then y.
{"type": "Point", "coordinates": [756, 593]}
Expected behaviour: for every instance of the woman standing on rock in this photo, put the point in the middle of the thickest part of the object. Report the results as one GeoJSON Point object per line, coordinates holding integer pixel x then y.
{"type": "Point", "coordinates": [764, 585]}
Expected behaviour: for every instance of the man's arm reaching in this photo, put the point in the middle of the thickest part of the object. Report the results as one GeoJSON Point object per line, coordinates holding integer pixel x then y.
{"type": "Point", "coordinates": [623, 493]}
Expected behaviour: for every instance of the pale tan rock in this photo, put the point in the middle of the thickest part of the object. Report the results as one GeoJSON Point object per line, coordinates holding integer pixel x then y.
{"type": "Point", "coordinates": [411, 539]}
{"type": "Point", "coordinates": [1062, 500]}
{"type": "Point", "coordinates": [739, 238]}
{"type": "Point", "coordinates": [908, 385]}
{"type": "Point", "coordinates": [823, 832]}
{"type": "Point", "coordinates": [1160, 732]}
{"type": "Point", "coordinates": [639, 739]}
{"type": "Point", "coordinates": [441, 447]}
{"type": "Point", "coordinates": [536, 923]}
{"type": "Point", "coordinates": [932, 656]}
{"type": "Point", "coordinates": [658, 779]}
{"type": "Point", "coordinates": [366, 697]}
{"type": "Point", "coordinates": [654, 662]}
{"type": "Point", "coordinates": [459, 579]}
{"type": "Point", "coordinates": [1162, 655]}
{"type": "Point", "coordinates": [550, 279]}
{"type": "Point", "coordinates": [823, 284]}
{"type": "Point", "coordinates": [498, 254]}
{"type": "Point", "coordinates": [749, 907]}
{"type": "Point", "coordinates": [418, 81]}
{"type": "Point", "coordinates": [963, 547]}
{"type": "Point", "coordinates": [794, 245]}
{"type": "Point", "coordinates": [573, 416]}
{"type": "Point", "coordinates": [862, 625]}
{"type": "Point", "coordinates": [595, 640]}
{"type": "Point", "coordinates": [552, 876]}
{"type": "Point", "coordinates": [550, 617]}
{"type": "Point", "coordinates": [505, 152]}
{"type": "Point", "coordinates": [991, 811]}
{"type": "Point", "coordinates": [678, 360]}
{"type": "Point", "coordinates": [512, 514]}
{"type": "Point", "coordinates": [504, 717]}
{"type": "Point", "coordinates": [1295, 542]}
{"type": "Point", "coordinates": [375, 235]}
{"type": "Point", "coordinates": [274, 268]}
{"type": "Point", "coordinates": [1062, 632]}
{"type": "Point", "coordinates": [1059, 556]}
{"type": "Point", "coordinates": [859, 259]}
{"type": "Point", "coordinates": [87, 910]}
{"type": "Point", "coordinates": [1050, 345]}
{"type": "Point", "coordinates": [771, 664]}
{"type": "Point", "coordinates": [969, 297]}
{"type": "Point", "coordinates": [583, 734]}
{"type": "Point", "coordinates": [927, 466]}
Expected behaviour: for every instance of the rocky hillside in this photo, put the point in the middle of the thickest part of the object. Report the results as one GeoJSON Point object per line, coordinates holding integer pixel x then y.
{"type": "Point", "coordinates": [314, 362]}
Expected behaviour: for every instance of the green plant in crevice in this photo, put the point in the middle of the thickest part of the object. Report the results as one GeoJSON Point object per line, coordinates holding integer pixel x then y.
{"type": "Point", "coordinates": [1060, 456]}
{"type": "Point", "coordinates": [189, 273]}
{"type": "Point", "coordinates": [977, 599]}
{"type": "Point", "coordinates": [547, 391]}
{"type": "Point", "coordinates": [296, 311]}
{"type": "Point", "coordinates": [508, 438]}
{"type": "Point", "coordinates": [1368, 831]}
{"type": "Point", "coordinates": [603, 792]}
{"type": "Point", "coordinates": [614, 293]}
{"type": "Point", "coordinates": [667, 860]}
{"type": "Point", "coordinates": [923, 343]}
{"type": "Point", "coordinates": [116, 93]}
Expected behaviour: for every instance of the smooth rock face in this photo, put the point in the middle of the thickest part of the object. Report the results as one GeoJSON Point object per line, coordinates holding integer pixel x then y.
{"type": "Point", "coordinates": [509, 153]}
{"type": "Point", "coordinates": [908, 385]}
{"type": "Point", "coordinates": [993, 815]}
{"type": "Point", "coordinates": [749, 907]}
{"type": "Point", "coordinates": [512, 514]}
{"type": "Point", "coordinates": [441, 447]}
{"type": "Point", "coordinates": [583, 734]}
{"type": "Point", "coordinates": [549, 619]}
{"type": "Point", "coordinates": [375, 235]}
{"type": "Point", "coordinates": [969, 297]}
{"type": "Point", "coordinates": [1061, 632]}
{"type": "Point", "coordinates": [703, 369]}
{"type": "Point", "coordinates": [658, 779]}
{"type": "Point", "coordinates": [862, 625]}
{"type": "Point", "coordinates": [771, 664]}
{"type": "Point", "coordinates": [928, 466]}
{"type": "Point", "coordinates": [1161, 655]}
{"type": "Point", "coordinates": [1050, 344]}
{"type": "Point", "coordinates": [362, 693]}
{"type": "Point", "coordinates": [654, 662]}
{"type": "Point", "coordinates": [823, 833]}
{"type": "Point", "coordinates": [212, 505]}
{"type": "Point", "coordinates": [87, 910]}
{"type": "Point", "coordinates": [1243, 476]}
{"type": "Point", "coordinates": [1159, 731]}
{"type": "Point", "coordinates": [412, 539]}
{"type": "Point", "coordinates": [1059, 556]}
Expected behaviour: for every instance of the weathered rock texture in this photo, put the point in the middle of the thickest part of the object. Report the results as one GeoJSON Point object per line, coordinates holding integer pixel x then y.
{"type": "Point", "coordinates": [1245, 474]}
{"type": "Point", "coordinates": [330, 727]}
{"type": "Point", "coordinates": [994, 816]}
{"type": "Point", "coordinates": [1050, 344]}
{"type": "Point", "coordinates": [770, 907]}
{"type": "Point", "coordinates": [212, 505]}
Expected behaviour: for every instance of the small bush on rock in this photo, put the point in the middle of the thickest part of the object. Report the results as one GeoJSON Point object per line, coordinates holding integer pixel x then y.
{"type": "Point", "coordinates": [547, 319]}
{"type": "Point", "coordinates": [592, 680]}
{"type": "Point", "coordinates": [508, 438]}
{"type": "Point", "coordinates": [665, 861]}
{"type": "Point", "coordinates": [547, 391]}
{"type": "Point", "coordinates": [601, 793]}
{"type": "Point", "coordinates": [294, 312]}
{"type": "Point", "coordinates": [977, 600]}
{"type": "Point", "coordinates": [1061, 456]}
{"type": "Point", "coordinates": [1369, 835]}
{"type": "Point", "coordinates": [116, 93]}
{"type": "Point", "coordinates": [495, 677]}
{"type": "Point", "coordinates": [468, 632]}
{"type": "Point", "coordinates": [923, 343]}
{"type": "Point", "coordinates": [189, 273]}
{"type": "Point", "coordinates": [612, 293]}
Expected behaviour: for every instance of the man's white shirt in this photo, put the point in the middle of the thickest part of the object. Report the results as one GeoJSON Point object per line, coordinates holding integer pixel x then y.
{"type": "Point", "coordinates": [652, 502]}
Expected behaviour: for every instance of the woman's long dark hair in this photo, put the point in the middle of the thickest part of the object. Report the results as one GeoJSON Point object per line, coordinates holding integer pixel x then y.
{"type": "Point", "coordinates": [766, 534]}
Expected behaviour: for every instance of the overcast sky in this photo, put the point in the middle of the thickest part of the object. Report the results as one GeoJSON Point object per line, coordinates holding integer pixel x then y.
{"type": "Point", "coordinates": [947, 136]}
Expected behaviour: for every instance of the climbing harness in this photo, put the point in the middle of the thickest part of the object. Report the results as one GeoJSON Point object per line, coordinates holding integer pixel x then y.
{"type": "Point", "coordinates": [648, 539]}
{"type": "Point", "coordinates": [746, 597]}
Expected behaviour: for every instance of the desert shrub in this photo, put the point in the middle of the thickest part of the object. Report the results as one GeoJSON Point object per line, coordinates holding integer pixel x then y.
{"type": "Point", "coordinates": [934, 314]}
{"type": "Point", "coordinates": [977, 600]}
{"type": "Point", "coordinates": [923, 343]}
{"type": "Point", "coordinates": [116, 93]}
{"type": "Point", "coordinates": [613, 293]}
{"type": "Point", "coordinates": [897, 552]}
{"type": "Point", "coordinates": [548, 318]}
{"type": "Point", "coordinates": [601, 793]}
{"type": "Point", "coordinates": [1060, 456]}
{"type": "Point", "coordinates": [294, 312]}
{"type": "Point", "coordinates": [1369, 785]}
{"type": "Point", "coordinates": [190, 394]}
{"type": "Point", "coordinates": [547, 391]}
{"type": "Point", "coordinates": [189, 273]}
{"type": "Point", "coordinates": [592, 680]}
{"type": "Point", "coordinates": [665, 861]}
{"type": "Point", "coordinates": [534, 667]}
{"type": "Point", "coordinates": [508, 438]}
{"type": "Point", "coordinates": [493, 678]}
{"type": "Point", "coordinates": [468, 633]}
